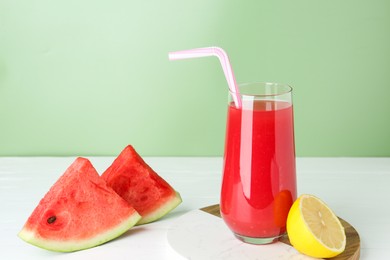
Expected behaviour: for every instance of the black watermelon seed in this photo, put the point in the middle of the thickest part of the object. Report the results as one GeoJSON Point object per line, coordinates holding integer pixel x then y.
{"type": "Point", "coordinates": [51, 220]}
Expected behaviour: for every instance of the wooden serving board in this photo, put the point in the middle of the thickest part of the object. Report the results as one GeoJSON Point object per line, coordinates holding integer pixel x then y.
{"type": "Point", "coordinates": [352, 249]}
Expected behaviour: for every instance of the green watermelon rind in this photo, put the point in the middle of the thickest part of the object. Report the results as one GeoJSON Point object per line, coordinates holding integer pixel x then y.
{"type": "Point", "coordinates": [74, 245]}
{"type": "Point", "coordinates": [161, 211]}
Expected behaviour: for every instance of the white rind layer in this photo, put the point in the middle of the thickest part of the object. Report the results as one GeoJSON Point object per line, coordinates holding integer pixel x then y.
{"type": "Point", "coordinates": [168, 206]}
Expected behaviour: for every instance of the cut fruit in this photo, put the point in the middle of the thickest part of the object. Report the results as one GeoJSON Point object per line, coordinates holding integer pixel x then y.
{"type": "Point", "coordinates": [73, 214]}
{"type": "Point", "coordinates": [141, 186]}
{"type": "Point", "coordinates": [313, 229]}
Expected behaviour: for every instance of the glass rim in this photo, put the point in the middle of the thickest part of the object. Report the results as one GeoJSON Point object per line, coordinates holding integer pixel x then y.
{"type": "Point", "coordinates": [287, 89]}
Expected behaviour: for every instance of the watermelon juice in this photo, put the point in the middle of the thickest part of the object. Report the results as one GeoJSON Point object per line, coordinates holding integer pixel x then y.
{"type": "Point", "coordinates": [259, 183]}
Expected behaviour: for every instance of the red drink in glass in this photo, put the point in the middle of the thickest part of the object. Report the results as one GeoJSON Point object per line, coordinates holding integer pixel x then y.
{"type": "Point", "coordinates": [259, 183]}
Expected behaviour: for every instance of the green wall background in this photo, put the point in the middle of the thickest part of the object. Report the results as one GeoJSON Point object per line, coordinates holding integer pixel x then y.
{"type": "Point", "coordinates": [89, 77]}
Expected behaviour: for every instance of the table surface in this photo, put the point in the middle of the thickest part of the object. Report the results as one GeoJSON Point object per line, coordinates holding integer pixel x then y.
{"type": "Point", "coordinates": [357, 189]}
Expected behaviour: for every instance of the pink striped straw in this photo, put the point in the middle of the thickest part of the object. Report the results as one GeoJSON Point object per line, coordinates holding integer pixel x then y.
{"type": "Point", "coordinates": [223, 59]}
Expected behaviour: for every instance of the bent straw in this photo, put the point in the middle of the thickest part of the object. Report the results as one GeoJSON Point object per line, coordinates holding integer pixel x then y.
{"type": "Point", "coordinates": [223, 59]}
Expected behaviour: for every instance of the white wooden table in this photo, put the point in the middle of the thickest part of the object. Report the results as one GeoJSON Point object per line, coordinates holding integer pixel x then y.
{"type": "Point", "coordinates": [357, 189]}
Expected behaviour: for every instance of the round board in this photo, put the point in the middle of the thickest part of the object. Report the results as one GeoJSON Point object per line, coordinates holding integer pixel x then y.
{"type": "Point", "coordinates": [352, 248]}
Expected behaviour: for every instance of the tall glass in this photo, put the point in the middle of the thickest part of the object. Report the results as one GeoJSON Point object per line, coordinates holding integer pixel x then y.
{"type": "Point", "coordinates": [259, 180]}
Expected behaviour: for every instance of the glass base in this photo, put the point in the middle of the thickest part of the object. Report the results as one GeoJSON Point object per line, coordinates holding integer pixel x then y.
{"type": "Point", "coordinates": [258, 240]}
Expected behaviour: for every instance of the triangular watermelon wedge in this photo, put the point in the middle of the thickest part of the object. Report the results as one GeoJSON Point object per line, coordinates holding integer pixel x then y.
{"type": "Point", "coordinates": [74, 215]}
{"type": "Point", "coordinates": [141, 186]}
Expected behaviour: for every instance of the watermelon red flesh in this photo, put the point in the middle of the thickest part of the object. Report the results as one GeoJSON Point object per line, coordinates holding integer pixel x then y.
{"type": "Point", "coordinates": [141, 186]}
{"type": "Point", "coordinates": [79, 211]}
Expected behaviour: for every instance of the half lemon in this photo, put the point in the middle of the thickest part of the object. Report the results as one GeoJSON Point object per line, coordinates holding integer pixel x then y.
{"type": "Point", "coordinates": [313, 229]}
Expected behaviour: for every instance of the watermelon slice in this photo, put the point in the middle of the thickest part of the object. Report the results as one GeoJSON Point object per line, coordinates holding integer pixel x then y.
{"type": "Point", "coordinates": [78, 212]}
{"type": "Point", "coordinates": [140, 186]}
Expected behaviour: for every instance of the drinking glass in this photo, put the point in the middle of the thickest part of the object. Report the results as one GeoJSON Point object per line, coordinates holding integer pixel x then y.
{"type": "Point", "coordinates": [259, 179]}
